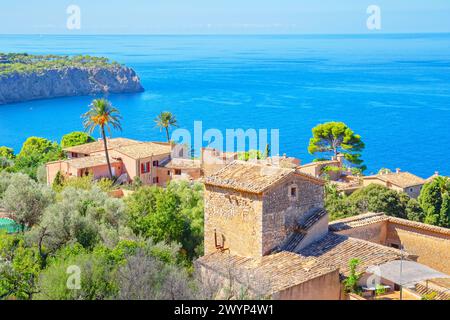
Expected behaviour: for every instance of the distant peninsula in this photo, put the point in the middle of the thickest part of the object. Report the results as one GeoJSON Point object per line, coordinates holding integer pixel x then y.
{"type": "Point", "coordinates": [25, 77]}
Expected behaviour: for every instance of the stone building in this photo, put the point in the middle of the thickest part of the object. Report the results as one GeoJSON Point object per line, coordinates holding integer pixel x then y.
{"type": "Point", "coordinates": [261, 203]}
{"type": "Point", "coordinates": [267, 231]}
{"type": "Point", "coordinates": [398, 181]}
{"type": "Point", "coordinates": [154, 163]}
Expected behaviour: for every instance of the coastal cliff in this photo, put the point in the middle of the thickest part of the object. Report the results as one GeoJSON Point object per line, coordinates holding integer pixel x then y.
{"type": "Point", "coordinates": [24, 77]}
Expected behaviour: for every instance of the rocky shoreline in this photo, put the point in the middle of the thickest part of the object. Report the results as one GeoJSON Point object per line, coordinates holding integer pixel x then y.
{"type": "Point", "coordinates": [67, 81]}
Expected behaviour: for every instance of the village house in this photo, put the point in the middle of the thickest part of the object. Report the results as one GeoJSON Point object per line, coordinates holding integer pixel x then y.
{"type": "Point", "coordinates": [267, 231]}
{"type": "Point", "coordinates": [398, 181]}
{"type": "Point", "coordinates": [151, 162]}
{"type": "Point", "coordinates": [333, 168]}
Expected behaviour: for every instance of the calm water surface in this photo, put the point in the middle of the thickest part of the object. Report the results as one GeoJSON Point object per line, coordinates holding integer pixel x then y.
{"type": "Point", "coordinates": [393, 90]}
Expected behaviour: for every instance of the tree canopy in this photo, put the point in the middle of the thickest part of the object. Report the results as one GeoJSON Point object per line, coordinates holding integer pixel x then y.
{"type": "Point", "coordinates": [334, 138]}
{"type": "Point", "coordinates": [435, 202]}
{"type": "Point", "coordinates": [7, 153]}
{"type": "Point", "coordinates": [75, 139]}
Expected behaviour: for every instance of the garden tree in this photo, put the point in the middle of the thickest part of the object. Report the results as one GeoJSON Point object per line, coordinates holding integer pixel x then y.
{"type": "Point", "coordinates": [373, 198]}
{"type": "Point", "coordinates": [7, 153]}
{"type": "Point", "coordinates": [26, 199]}
{"type": "Point", "coordinates": [191, 206]}
{"type": "Point", "coordinates": [75, 139]}
{"type": "Point", "coordinates": [267, 151]}
{"type": "Point", "coordinates": [6, 164]}
{"type": "Point", "coordinates": [434, 200]}
{"type": "Point", "coordinates": [165, 120]}
{"type": "Point", "coordinates": [41, 174]}
{"type": "Point", "coordinates": [103, 115]}
{"type": "Point", "coordinates": [337, 204]}
{"type": "Point", "coordinates": [97, 277]}
{"type": "Point", "coordinates": [335, 138]}
{"type": "Point", "coordinates": [351, 282]}
{"type": "Point", "coordinates": [173, 214]}
{"type": "Point", "coordinates": [79, 216]}
{"type": "Point", "coordinates": [145, 277]}
{"type": "Point", "coordinates": [377, 198]}
{"type": "Point", "coordinates": [112, 272]}
{"type": "Point", "coordinates": [414, 212]}
{"type": "Point", "coordinates": [85, 183]}
{"type": "Point", "coordinates": [19, 268]}
{"type": "Point", "coordinates": [59, 181]}
{"type": "Point", "coordinates": [5, 180]}
{"type": "Point", "coordinates": [35, 152]}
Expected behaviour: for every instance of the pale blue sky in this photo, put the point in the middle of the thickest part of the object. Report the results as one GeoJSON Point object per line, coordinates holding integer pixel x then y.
{"type": "Point", "coordinates": [222, 16]}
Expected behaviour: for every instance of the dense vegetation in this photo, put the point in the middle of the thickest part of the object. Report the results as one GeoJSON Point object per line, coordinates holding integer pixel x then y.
{"type": "Point", "coordinates": [36, 152]}
{"type": "Point", "coordinates": [154, 233]}
{"type": "Point", "coordinates": [12, 63]}
{"type": "Point", "coordinates": [432, 206]}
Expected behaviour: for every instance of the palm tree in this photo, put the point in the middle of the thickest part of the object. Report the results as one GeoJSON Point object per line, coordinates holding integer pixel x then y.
{"type": "Point", "coordinates": [165, 120]}
{"type": "Point", "coordinates": [102, 114]}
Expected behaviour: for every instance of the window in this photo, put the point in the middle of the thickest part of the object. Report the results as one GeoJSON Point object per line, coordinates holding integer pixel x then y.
{"type": "Point", "coordinates": [293, 192]}
{"type": "Point", "coordinates": [177, 172]}
{"type": "Point", "coordinates": [168, 173]}
{"type": "Point", "coordinates": [156, 163]}
{"type": "Point", "coordinates": [145, 167]}
{"type": "Point", "coordinates": [396, 246]}
{"type": "Point", "coordinates": [155, 180]}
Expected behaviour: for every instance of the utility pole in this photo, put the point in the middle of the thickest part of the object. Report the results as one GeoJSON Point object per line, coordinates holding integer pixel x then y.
{"type": "Point", "coordinates": [401, 270]}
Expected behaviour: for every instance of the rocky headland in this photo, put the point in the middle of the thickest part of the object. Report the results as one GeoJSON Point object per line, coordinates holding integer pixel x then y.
{"type": "Point", "coordinates": [26, 77]}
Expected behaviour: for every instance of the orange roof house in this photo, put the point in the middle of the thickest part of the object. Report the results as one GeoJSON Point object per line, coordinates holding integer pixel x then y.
{"type": "Point", "coordinates": [129, 159]}
{"type": "Point", "coordinates": [399, 181]}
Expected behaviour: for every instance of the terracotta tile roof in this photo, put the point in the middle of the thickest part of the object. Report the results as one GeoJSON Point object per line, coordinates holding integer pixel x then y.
{"type": "Point", "coordinates": [357, 221]}
{"type": "Point", "coordinates": [276, 272]}
{"type": "Point", "coordinates": [320, 163]}
{"type": "Point", "coordinates": [419, 225]}
{"type": "Point", "coordinates": [179, 163]}
{"type": "Point", "coordinates": [145, 150]}
{"type": "Point", "coordinates": [285, 269]}
{"type": "Point", "coordinates": [98, 146]}
{"type": "Point", "coordinates": [371, 218]}
{"type": "Point", "coordinates": [337, 250]}
{"type": "Point", "coordinates": [252, 177]}
{"type": "Point", "coordinates": [292, 241]}
{"type": "Point", "coordinates": [89, 162]}
{"type": "Point", "coordinates": [400, 179]}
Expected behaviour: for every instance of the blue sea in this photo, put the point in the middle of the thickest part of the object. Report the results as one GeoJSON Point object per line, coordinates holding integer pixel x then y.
{"type": "Point", "coordinates": [393, 90]}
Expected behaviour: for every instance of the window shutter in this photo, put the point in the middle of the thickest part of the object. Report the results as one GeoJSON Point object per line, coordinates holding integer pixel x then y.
{"type": "Point", "coordinates": [142, 168]}
{"type": "Point", "coordinates": [148, 166]}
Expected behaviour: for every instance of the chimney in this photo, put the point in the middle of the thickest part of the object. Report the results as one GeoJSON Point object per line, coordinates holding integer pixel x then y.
{"type": "Point", "coordinates": [436, 173]}
{"type": "Point", "coordinates": [398, 170]}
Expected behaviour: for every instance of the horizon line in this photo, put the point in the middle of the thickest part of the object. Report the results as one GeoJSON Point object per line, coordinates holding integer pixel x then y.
{"type": "Point", "coordinates": [225, 34]}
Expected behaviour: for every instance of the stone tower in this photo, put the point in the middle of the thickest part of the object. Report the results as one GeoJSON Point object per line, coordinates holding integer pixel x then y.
{"type": "Point", "coordinates": [253, 209]}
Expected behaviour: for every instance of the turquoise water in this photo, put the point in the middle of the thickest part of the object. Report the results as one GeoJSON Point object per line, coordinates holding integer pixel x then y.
{"type": "Point", "coordinates": [393, 90]}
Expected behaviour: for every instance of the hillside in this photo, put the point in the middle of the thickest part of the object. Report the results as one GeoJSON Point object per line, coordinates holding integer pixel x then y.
{"type": "Point", "coordinates": [25, 77]}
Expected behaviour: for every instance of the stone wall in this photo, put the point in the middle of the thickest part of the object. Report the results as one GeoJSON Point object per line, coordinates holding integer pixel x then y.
{"type": "Point", "coordinates": [281, 212]}
{"type": "Point", "coordinates": [431, 248]}
{"type": "Point", "coordinates": [414, 191]}
{"type": "Point", "coordinates": [237, 219]}
{"type": "Point", "coordinates": [373, 232]}
{"type": "Point", "coordinates": [324, 287]}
